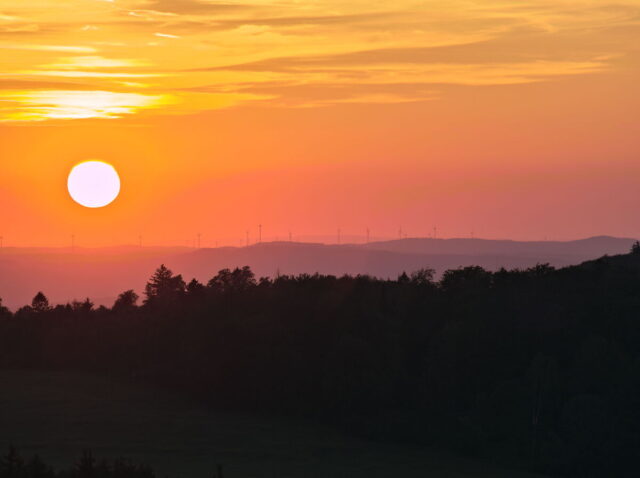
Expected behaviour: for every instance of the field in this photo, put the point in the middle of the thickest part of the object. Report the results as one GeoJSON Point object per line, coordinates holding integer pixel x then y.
{"type": "Point", "coordinates": [58, 414]}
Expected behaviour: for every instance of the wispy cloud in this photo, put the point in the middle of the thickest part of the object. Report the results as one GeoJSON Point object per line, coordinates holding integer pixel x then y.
{"type": "Point", "coordinates": [290, 53]}
{"type": "Point", "coordinates": [20, 84]}
{"type": "Point", "coordinates": [48, 48]}
{"type": "Point", "coordinates": [166, 35]}
{"type": "Point", "coordinates": [20, 106]}
{"type": "Point", "coordinates": [195, 6]}
{"type": "Point", "coordinates": [87, 74]}
{"type": "Point", "coordinates": [93, 62]}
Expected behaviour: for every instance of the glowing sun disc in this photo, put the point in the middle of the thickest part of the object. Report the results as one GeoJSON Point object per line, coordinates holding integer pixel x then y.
{"type": "Point", "coordinates": [93, 184]}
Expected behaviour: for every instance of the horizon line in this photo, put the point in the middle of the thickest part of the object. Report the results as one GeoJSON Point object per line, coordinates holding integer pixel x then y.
{"type": "Point", "coordinates": [226, 244]}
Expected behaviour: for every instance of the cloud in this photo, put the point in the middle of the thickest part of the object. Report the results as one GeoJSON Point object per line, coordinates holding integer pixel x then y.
{"type": "Point", "coordinates": [29, 105]}
{"type": "Point", "coordinates": [300, 54]}
{"type": "Point", "coordinates": [287, 21]}
{"type": "Point", "coordinates": [53, 48]}
{"type": "Point", "coordinates": [166, 35]}
{"type": "Point", "coordinates": [194, 7]}
{"type": "Point", "coordinates": [20, 29]}
{"type": "Point", "coordinates": [284, 94]}
{"type": "Point", "coordinates": [402, 74]}
{"type": "Point", "coordinates": [19, 84]}
{"type": "Point", "coordinates": [512, 48]}
{"type": "Point", "coordinates": [396, 85]}
{"type": "Point", "coordinates": [93, 62]}
{"type": "Point", "coordinates": [87, 74]}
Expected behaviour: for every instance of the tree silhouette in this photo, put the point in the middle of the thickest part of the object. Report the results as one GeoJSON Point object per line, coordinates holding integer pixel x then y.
{"type": "Point", "coordinates": [423, 276]}
{"type": "Point", "coordinates": [403, 278]}
{"type": "Point", "coordinates": [12, 464]}
{"type": "Point", "coordinates": [471, 279]}
{"type": "Point", "coordinates": [82, 307]}
{"type": "Point", "coordinates": [37, 468]}
{"type": "Point", "coordinates": [126, 302]}
{"type": "Point", "coordinates": [86, 466]}
{"type": "Point", "coordinates": [4, 312]}
{"type": "Point", "coordinates": [164, 288]}
{"type": "Point", "coordinates": [635, 248]}
{"type": "Point", "coordinates": [238, 280]}
{"type": "Point", "coordinates": [40, 303]}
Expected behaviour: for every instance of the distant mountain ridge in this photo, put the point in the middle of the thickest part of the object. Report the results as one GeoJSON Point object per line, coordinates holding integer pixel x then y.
{"type": "Point", "coordinates": [589, 246]}
{"type": "Point", "coordinates": [102, 273]}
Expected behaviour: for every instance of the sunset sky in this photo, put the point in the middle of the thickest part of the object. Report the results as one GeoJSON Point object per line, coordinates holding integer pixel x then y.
{"type": "Point", "coordinates": [506, 119]}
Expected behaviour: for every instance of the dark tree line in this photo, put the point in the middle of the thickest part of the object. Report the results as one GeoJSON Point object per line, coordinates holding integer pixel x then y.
{"type": "Point", "coordinates": [540, 365]}
{"type": "Point", "coordinates": [13, 465]}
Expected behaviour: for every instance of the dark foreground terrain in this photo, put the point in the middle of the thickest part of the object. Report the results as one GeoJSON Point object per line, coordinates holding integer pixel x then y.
{"type": "Point", "coordinates": [56, 415]}
{"type": "Point", "coordinates": [535, 369]}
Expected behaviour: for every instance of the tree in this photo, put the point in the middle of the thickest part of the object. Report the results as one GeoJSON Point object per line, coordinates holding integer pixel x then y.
{"type": "Point", "coordinates": [4, 312]}
{"type": "Point", "coordinates": [40, 303]}
{"type": "Point", "coordinates": [423, 276]}
{"type": "Point", "coordinates": [12, 464]}
{"type": "Point", "coordinates": [84, 306]}
{"type": "Point", "coordinates": [471, 278]}
{"type": "Point", "coordinates": [85, 468]}
{"type": "Point", "coordinates": [238, 280]}
{"type": "Point", "coordinates": [635, 248]}
{"type": "Point", "coordinates": [164, 288]}
{"type": "Point", "coordinates": [127, 301]}
{"type": "Point", "coordinates": [195, 288]}
{"type": "Point", "coordinates": [403, 278]}
{"type": "Point", "coordinates": [36, 468]}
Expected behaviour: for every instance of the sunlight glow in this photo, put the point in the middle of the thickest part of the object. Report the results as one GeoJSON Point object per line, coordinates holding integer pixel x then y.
{"type": "Point", "coordinates": [58, 105]}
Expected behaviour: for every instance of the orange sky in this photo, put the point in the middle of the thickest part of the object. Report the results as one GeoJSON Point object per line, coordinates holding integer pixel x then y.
{"type": "Point", "coordinates": [508, 119]}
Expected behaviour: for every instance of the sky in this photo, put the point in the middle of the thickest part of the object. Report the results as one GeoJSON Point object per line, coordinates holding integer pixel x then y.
{"type": "Point", "coordinates": [497, 119]}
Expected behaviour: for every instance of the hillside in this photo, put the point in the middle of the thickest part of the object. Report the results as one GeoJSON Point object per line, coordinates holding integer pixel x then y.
{"type": "Point", "coordinates": [103, 273]}
{"type": "Point", "coordinates": [534, 369]}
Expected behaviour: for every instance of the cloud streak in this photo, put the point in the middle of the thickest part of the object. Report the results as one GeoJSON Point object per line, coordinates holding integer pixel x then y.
{"type": "Point", "coordinates": [27, 106]}
{"type": "Point", "coordinates": [304, 54]}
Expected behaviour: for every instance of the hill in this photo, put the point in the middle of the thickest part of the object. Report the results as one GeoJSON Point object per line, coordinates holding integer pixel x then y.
{"type": "Point", "coordinates": [102, 273]}
{"type": "Point", "coordinates": [537, 367]}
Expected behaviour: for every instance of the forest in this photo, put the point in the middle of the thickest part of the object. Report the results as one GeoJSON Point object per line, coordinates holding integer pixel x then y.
{"type": "Point", "coordinates": [14, 465]}
{"type": "Point", "coordinates": [538, 367]}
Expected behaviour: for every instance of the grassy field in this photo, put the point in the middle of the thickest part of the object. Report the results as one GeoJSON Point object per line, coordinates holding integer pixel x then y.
{"type": "Point", "coordinates": [58, 414]}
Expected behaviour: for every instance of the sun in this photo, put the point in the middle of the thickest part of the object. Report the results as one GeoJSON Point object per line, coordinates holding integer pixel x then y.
{"type": "Point", "coordinates": [93, 184]}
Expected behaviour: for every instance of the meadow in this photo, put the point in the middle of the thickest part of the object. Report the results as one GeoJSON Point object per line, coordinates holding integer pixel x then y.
{"type": "Point", "coordinates": [58, 414]}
